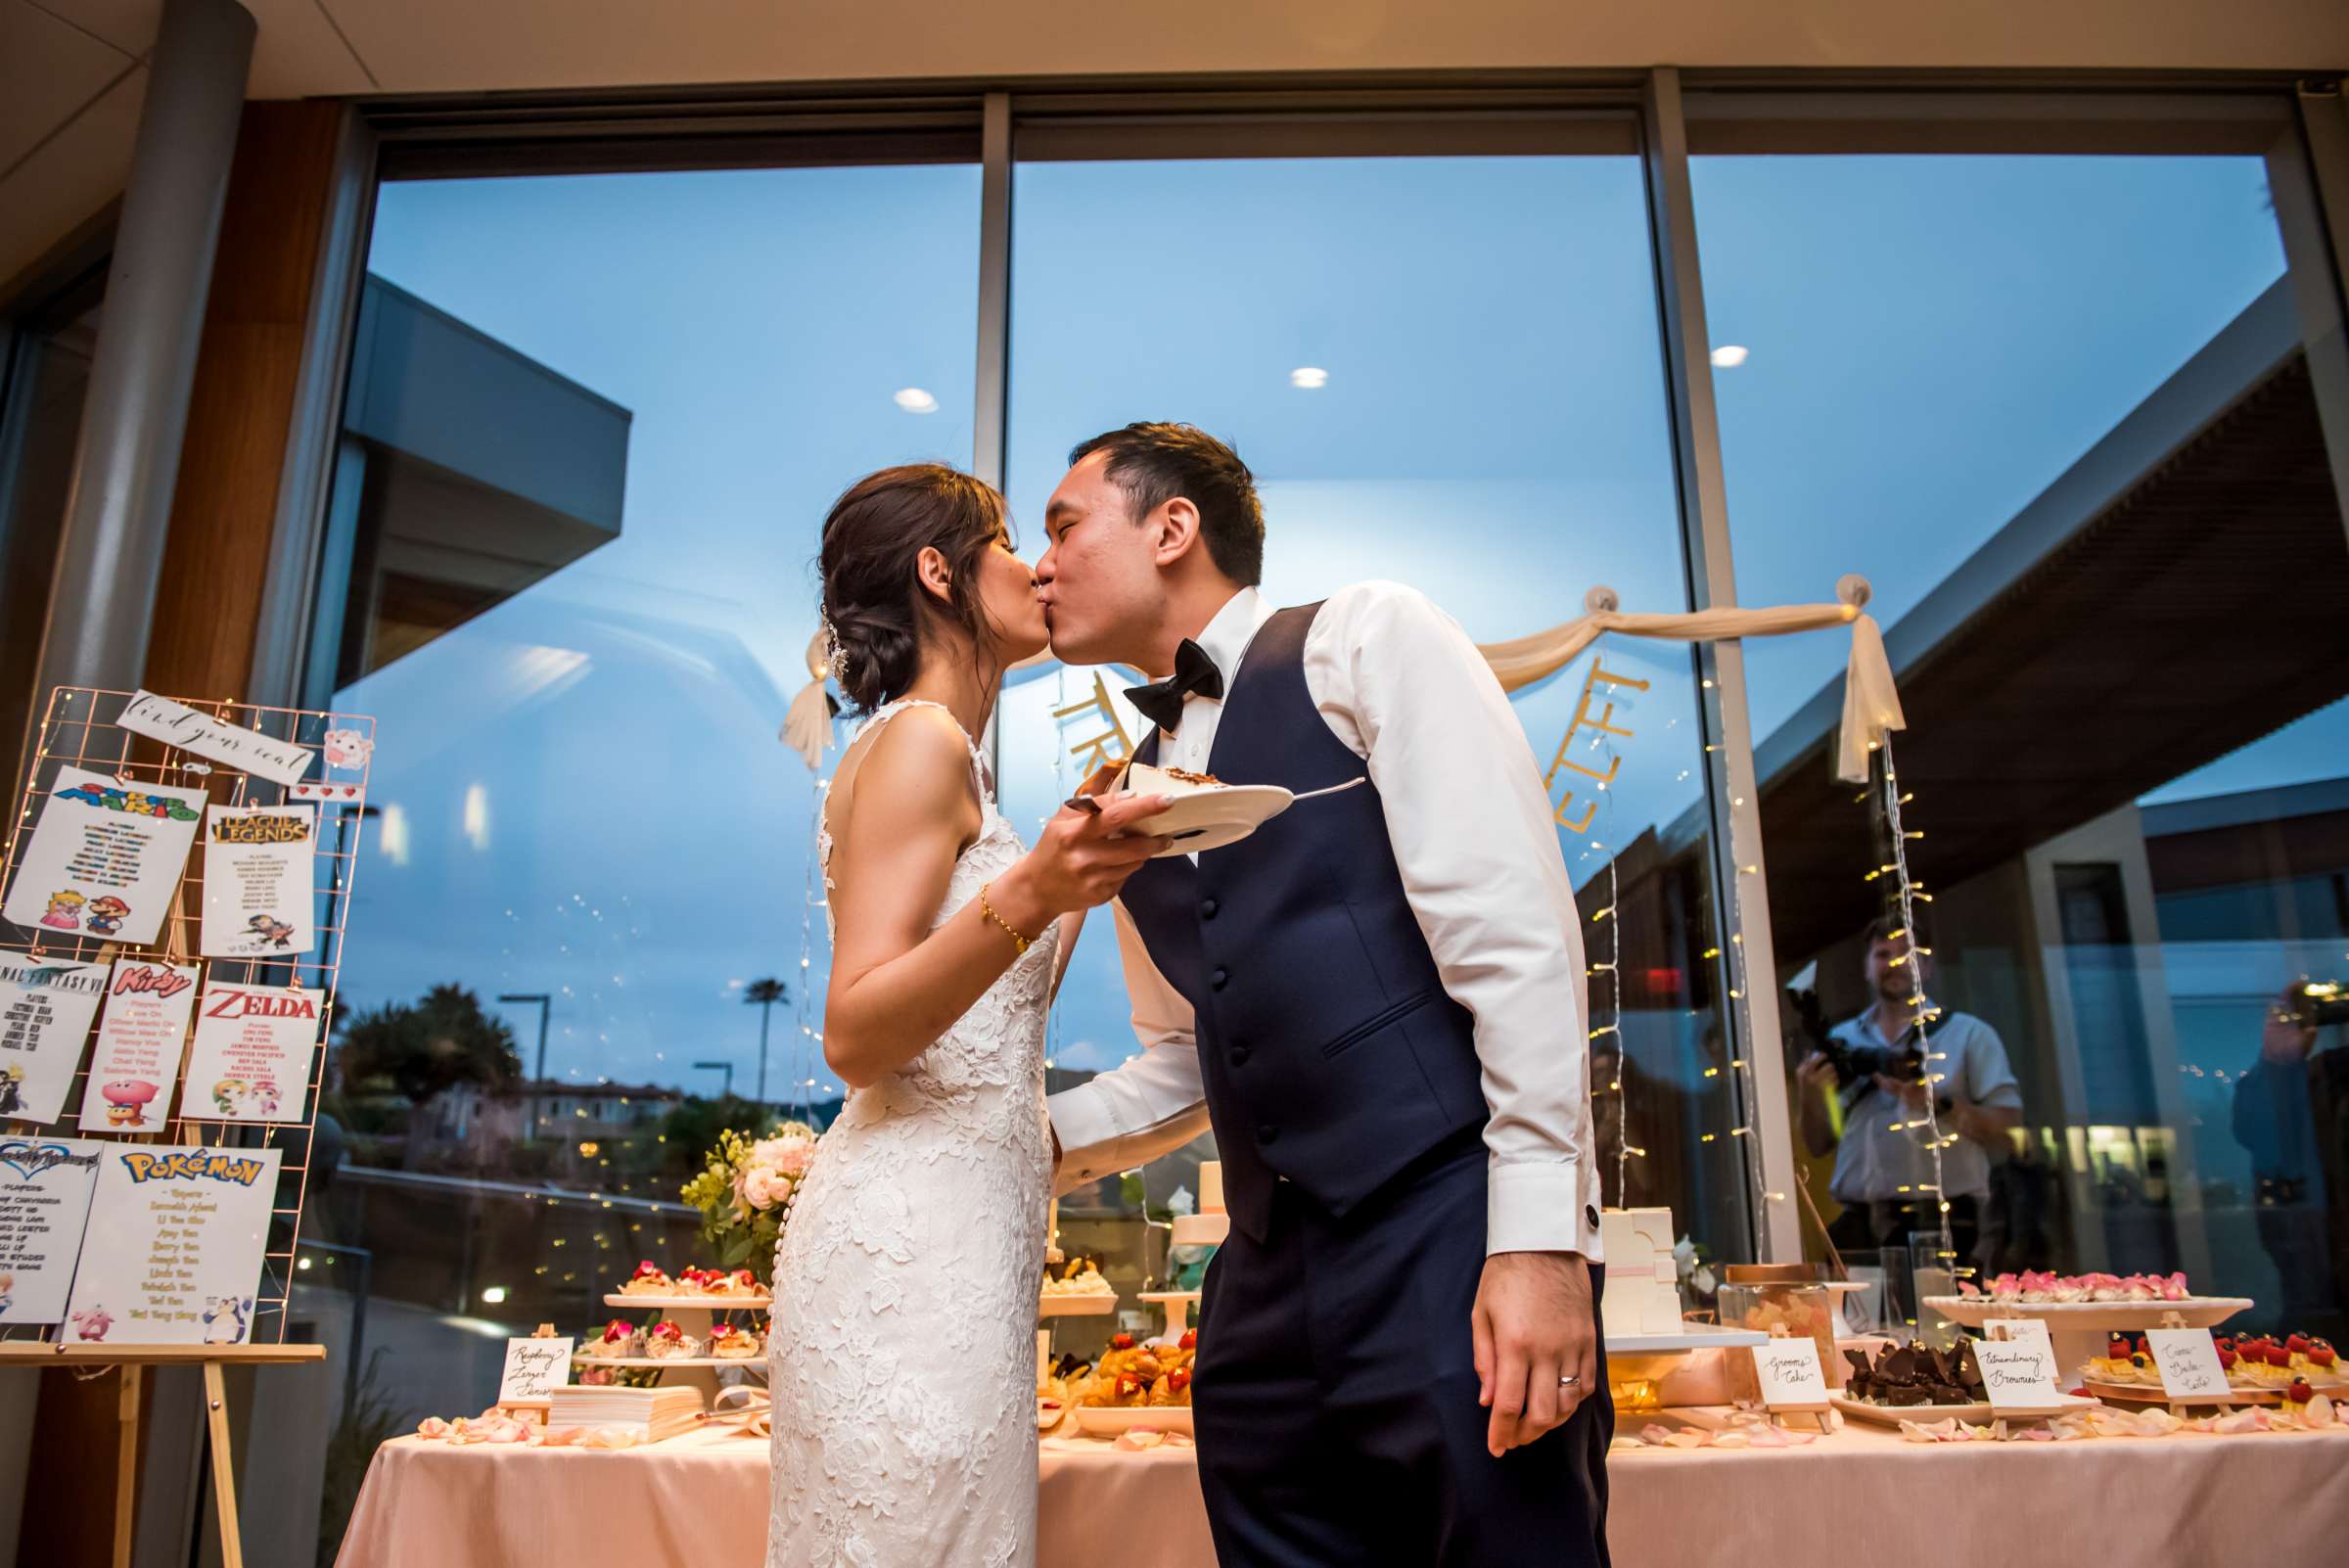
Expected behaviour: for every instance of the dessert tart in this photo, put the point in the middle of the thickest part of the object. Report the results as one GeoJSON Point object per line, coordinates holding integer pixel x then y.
{"type": "Point", "coordinates": [649, 1279]}
{"type": "Point", "coordinates": [667, 1341]}
{"type": "Point", "coordinates": [619, 1341]}
{"type": "Point", "coordinates": [2039, 1289]}
{"type": "Point", "coordinates": [730, 1343]}
{"type": "Point", "coordinates": [2262, 1362]}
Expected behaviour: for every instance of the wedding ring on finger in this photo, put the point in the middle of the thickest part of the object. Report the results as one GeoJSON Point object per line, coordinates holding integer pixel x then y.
{"type": "Point", "coordinates": [1569, 1381]}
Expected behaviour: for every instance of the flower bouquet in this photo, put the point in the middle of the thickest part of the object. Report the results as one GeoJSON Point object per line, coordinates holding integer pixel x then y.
{"type": "Point", "coordinates": [745, 1195]}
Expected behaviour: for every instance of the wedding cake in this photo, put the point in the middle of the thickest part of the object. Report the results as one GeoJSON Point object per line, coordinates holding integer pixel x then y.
{"type": "Point", "coordinates": [1644, 1292]}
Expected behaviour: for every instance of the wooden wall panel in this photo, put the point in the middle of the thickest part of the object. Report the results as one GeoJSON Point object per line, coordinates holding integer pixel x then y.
{"type": "Point", "coordinates": [225, 507]}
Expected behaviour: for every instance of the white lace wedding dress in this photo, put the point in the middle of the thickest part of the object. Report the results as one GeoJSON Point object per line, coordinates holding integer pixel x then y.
{"type": "Point", "coordinates": [903, 1360]}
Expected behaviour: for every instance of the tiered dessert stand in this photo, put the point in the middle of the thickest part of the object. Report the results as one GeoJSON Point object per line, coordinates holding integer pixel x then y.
{"type": "Point", "coordinates": [696, 1315]}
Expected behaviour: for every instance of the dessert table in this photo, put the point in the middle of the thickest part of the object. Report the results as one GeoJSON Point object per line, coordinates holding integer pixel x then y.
{"type": "Point", "coordinates": [1858, 1495]}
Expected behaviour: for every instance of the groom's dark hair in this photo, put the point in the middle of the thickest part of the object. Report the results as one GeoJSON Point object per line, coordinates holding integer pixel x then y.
{"type": "Point", "coordinates": [1155, 463]}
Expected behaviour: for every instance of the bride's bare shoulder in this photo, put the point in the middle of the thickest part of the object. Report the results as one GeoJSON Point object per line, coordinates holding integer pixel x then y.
{"type": "Point", "coordinates": [919, 764]}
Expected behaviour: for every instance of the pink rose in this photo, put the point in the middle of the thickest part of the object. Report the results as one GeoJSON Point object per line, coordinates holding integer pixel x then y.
{"type": "Point", "coordinates": [794, 1160]}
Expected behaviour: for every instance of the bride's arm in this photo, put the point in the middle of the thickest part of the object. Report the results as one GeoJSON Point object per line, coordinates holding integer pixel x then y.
{"type": "Point", "coordinates": [1072, 926]}
{"type": "Point", "coordinates": [897, 984]}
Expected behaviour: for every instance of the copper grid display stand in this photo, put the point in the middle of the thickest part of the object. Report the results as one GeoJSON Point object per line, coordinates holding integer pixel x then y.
{"type": "Point", "coordinates": [81, 729]}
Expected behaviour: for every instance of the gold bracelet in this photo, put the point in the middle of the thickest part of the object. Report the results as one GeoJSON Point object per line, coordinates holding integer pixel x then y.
{"type": "Point", "coordinates": [988, 909]}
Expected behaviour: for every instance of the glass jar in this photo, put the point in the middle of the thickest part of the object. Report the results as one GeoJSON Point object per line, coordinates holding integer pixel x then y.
{"type": "Point", "coordinates": [1801, 1305]}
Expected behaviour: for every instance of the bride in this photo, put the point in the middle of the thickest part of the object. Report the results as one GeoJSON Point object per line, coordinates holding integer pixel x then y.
{"type": "Point", "coordinates": [902, 1353]}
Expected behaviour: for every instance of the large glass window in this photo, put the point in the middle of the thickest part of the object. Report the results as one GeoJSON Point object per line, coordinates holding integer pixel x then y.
{"type": "Point", "coordinates": [592, 429]}
{"type": "Point", "coordinates": [1444, 371]}
{"type": "Point", "coordinates": [44, 376]}
{"type": "Point", "coordinates": [2057, 407]}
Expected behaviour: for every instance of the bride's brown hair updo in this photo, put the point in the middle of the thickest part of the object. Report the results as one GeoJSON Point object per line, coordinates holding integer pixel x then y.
{"type": "Point", "coordinates": [873, 599]}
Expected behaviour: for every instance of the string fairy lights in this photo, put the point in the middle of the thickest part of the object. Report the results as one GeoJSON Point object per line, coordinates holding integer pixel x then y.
{"type": "Point", "coordinates": [1907, 896]}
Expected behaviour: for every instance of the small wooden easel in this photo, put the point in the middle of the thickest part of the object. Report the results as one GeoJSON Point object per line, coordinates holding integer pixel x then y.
{"type": "Point", "coordinates": [133, 1359]}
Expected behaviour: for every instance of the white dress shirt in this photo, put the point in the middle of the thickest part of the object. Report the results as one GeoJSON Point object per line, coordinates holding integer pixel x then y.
{"type": "Point", "coordinates": [1885, 1152]}
{"type": "Point", "coordinates": [1402, 686]}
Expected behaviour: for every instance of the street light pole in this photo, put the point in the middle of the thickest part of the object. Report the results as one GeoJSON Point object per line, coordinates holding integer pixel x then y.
{"type": "Point", "coordinates": [726, 1068]}
{"type": "Point", "coordinates": [546, 1004]}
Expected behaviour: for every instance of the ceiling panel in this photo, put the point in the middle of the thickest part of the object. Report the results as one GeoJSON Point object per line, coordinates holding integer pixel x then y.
{"type": "Point", "coordinates": [128, 24]}
{"type": "Point", "coordinates": [468, 45]}
{"type": "Point", "coordinates": [299, 54]}
{"type": "Point", "coordinates": [71, 176]}
{"type": "Point", "coordinates": [48, 70]}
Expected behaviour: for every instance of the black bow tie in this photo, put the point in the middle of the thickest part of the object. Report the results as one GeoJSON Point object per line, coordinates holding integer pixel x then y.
{"type": "Point", "coordinates": [1195, 674]}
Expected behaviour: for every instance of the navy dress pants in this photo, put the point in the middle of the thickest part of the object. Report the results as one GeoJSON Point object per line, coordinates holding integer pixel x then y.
{"type": "Point", "coordinates": [1335, 1396]}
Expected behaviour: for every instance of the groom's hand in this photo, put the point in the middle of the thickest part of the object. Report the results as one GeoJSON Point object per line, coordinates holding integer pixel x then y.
{"type": "Point", "coordinates": [1534, 1325]}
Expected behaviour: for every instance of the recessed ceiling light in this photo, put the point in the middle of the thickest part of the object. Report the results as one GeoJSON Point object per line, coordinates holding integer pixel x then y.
{"type": "Point", "coordinates": [914, 400]}
{"type": "Point", "coordinates": [1729, 356]}
{"type": "Point", "coordinates": [1309, 376]}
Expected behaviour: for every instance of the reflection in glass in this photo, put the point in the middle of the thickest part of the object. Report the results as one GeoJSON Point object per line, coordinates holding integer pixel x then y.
{"type": "Point", "coordinates": [2060, 411]}
{"type": "Point", "coordinates": [44, 377]}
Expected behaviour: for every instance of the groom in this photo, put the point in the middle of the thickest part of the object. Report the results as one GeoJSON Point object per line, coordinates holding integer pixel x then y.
{"type": "Point", "coordinates": [1379, 998]}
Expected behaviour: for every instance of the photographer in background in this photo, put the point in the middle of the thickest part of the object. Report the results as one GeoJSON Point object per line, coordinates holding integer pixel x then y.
{"type": "Point", "coordinates": [2291, 1114]}
{"type": "Point", "coordinates": [1872, 1067]}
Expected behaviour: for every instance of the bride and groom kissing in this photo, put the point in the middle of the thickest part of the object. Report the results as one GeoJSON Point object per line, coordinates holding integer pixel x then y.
{"type": "Point", "coordinates": [1377, 1001]}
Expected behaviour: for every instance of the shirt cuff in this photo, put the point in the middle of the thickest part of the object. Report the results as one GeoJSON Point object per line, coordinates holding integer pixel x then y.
{"type": "Point", "coordinates": [1539, 1208]}
{"type": "Point", "coordinates": [1085, 1122]}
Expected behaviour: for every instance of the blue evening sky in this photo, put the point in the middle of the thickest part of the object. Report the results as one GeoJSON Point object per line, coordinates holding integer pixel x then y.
{"type": "Point", "coordinates": [583, 790]}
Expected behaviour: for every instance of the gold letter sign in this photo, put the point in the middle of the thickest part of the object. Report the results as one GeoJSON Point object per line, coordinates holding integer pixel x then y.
{"type": "Point", "coordinates": [1603, 725]}
{"type": "Point", "coordinates": [1096, 752]}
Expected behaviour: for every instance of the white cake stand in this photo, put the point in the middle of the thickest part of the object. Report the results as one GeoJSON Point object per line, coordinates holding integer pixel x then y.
{"type": "Point", "coordinates": [1202, 1229]}
{"type": "Point", "coordinates": [1177, 1305]}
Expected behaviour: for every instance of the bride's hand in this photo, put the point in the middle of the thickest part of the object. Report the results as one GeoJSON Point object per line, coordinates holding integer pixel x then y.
{"type": "Point", "coordinates": [1080, 860]}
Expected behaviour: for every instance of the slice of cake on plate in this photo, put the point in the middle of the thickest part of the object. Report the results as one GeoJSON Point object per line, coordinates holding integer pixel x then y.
{"type": "Point", "coordinates": [1174, 782]}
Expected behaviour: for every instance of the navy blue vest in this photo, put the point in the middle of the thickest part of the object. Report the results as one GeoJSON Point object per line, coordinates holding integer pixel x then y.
{"type": "Point", "coordinates": [1332, 1054]}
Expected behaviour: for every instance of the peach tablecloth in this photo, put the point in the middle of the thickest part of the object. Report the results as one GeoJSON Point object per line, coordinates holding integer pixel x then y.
{"type": "Point", "coordinates": [1860, 1496]}
{"type": "Point", "coordinates": [700, 1502]}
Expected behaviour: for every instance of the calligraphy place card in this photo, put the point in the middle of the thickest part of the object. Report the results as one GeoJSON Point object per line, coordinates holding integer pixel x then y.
{"type": "Point", "coordinates": [177, 724]}
{"type": "Point", "coordinates": [1792, 1376]}
{"type": "Point", "coordinates": [2019, 1365]}
{"type": "Point", "coordinates": [534, 1368]}
{"type": "Point", "coordinates": [2188, 1360]}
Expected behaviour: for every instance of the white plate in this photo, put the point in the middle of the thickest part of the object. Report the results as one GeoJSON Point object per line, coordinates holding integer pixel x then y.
{"type": "Point", "coordinates": [1981, 1414]}
{"type": "Point", "coordinates": [2196, 1312]}
{"type": "Point", "coordinates": [1214, 818]}
{"type": "Point", "coordinates": [2155, 1394]}
{"type": "Point", "coordinates": [669, 1304]}
{"type": "Point", "coordinates": [1108, 1421]}
{"type": "Point", "coordinates": [1690, 1337]}
{"type": "Point", "coordinates": [1075, 1306]}
{"type": "Point", "coordinates": [639, 1363]}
